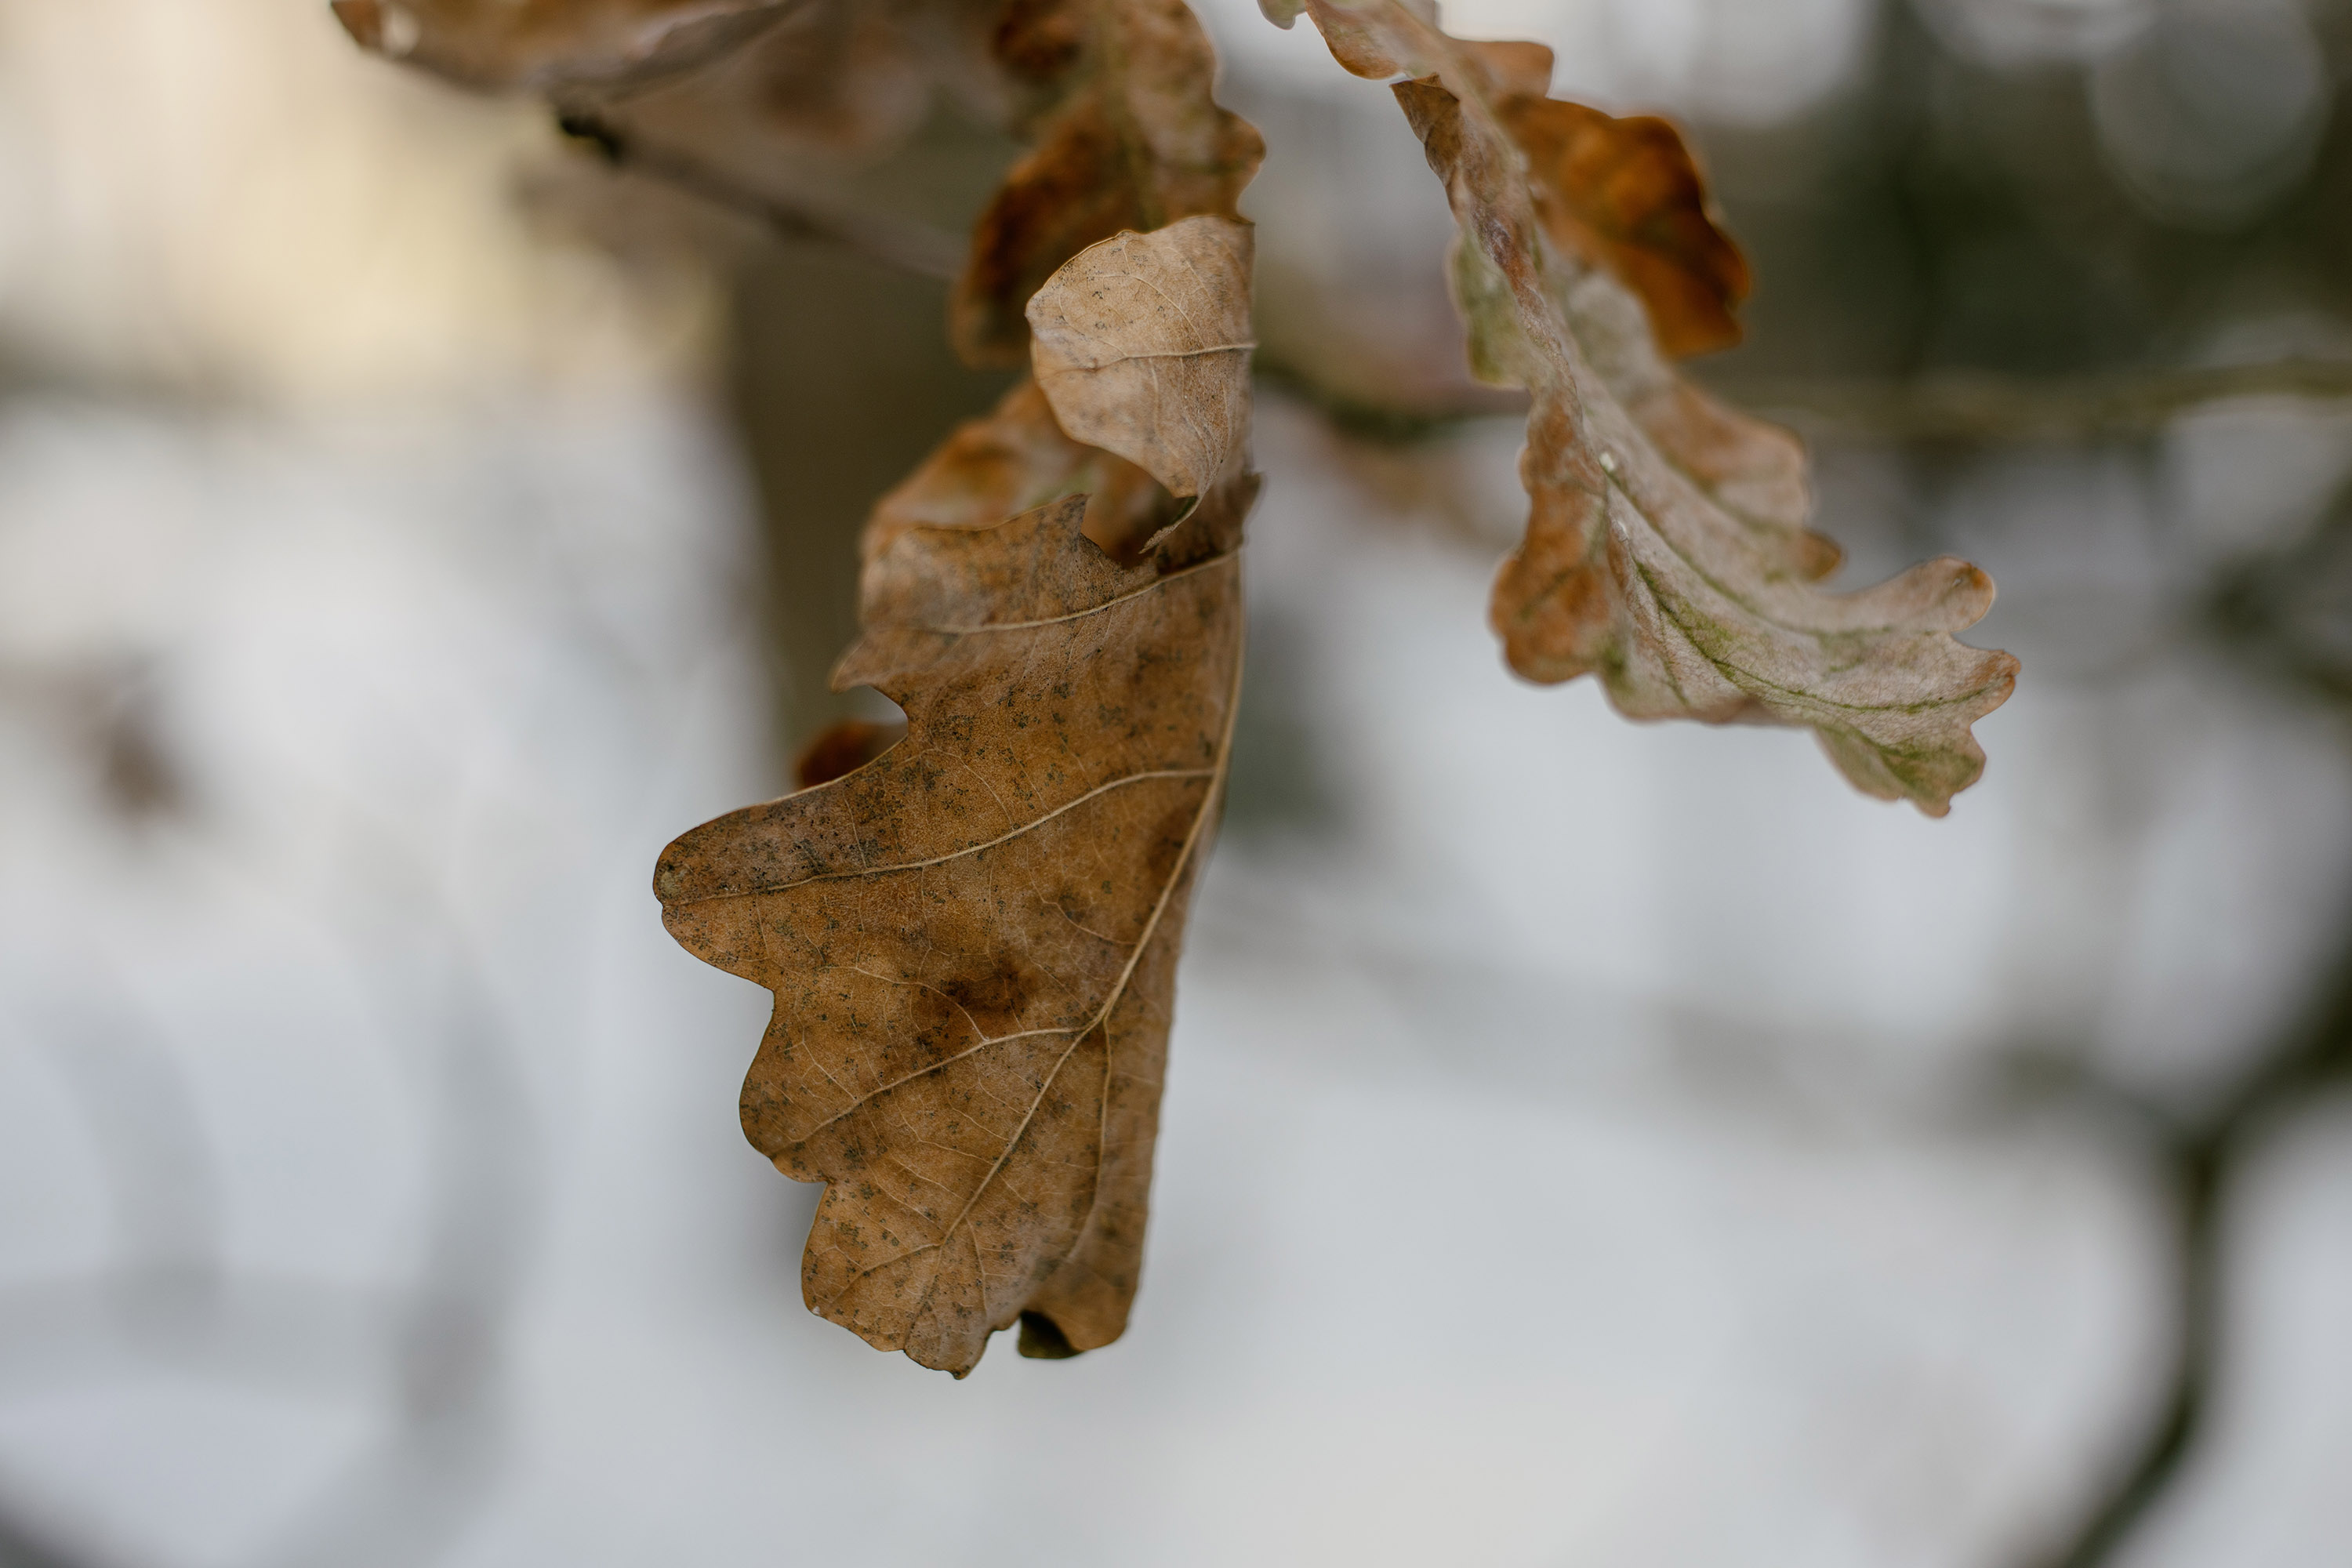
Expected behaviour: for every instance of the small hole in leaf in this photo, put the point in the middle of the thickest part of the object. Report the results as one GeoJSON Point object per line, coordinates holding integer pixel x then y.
{"type": "Point", "coordinates": [845, 747]}
{"type": "Point", "coordinates": [1042, 1339]}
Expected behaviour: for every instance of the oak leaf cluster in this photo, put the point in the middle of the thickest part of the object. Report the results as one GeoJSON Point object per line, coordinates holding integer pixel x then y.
{"type": "Point", "coordinates": [971, 926]}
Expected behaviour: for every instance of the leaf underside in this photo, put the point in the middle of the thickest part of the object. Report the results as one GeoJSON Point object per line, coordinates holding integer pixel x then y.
{"type": "Point", "coordinates": [1666, 548]}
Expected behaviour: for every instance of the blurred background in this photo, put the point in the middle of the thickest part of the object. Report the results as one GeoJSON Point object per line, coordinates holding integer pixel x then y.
{"type": "Point", "coordinates": [1586, 1142]}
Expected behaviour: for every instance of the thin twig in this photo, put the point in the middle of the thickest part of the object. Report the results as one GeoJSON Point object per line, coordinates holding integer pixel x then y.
{"type": "Point", "coordinates": [1978, 409]}
{"type": "Point", "coordinates": [23, 1547]}
{"type": "Point", "coordinates": [2195, 1172]}
{"type": "Point", "coordinates": [902, 243]}
{"type": "Point", "coordinates": [1377, 422]}
{"type": "Point", "coordinates": [1988, 408]}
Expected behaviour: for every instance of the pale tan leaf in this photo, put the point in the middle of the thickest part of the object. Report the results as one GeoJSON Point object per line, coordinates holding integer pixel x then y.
{"type": "Point", "coordinates": [1665, 550]}
{"type": "Point", "coordinates": [1142, 342]}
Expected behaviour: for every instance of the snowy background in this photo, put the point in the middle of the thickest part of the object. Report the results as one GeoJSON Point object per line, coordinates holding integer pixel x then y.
{"type": "Point", "coordinates": [1584, 1142]}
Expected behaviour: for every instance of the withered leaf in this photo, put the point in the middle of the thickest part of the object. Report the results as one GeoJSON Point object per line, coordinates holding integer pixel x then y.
{"type": "Point", "coordinates": [1126, 135]}
{"type": "Point", "coordinates": [554, 43]}
{"type": "Point", "coordinates": [1663, 551]}
{"type": "Point", "coordinates": [1142, 347]}
{"type": "Point", "coordinates": [1628, 193]}
{"type": "Point", "coordinates": [973, 940]}
{"type": "Point", "coordinates": [973, 935]}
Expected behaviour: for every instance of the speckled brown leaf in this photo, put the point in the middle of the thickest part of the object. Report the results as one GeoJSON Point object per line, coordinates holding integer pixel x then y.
{"type": "Point", "coordinates": [1125, 135]}
{"type": "Point", "coordinates": [972, 936]}
{"type": "Point", "coordinates": [1142, 346]}
{"type": "Point", "coordinates": [1665, 550]}
{"type": "Point", "coordinates": [554, 43]}
{"type": "Point", "coordinates": [973, 940]}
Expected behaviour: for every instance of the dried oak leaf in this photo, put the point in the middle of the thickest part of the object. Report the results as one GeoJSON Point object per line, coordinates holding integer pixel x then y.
{"type": "Point", "coordinates": [1666, 548]}
{"type": "Point", "coordinates": [1625, 194]}
{"type": "Point", "coordinates": [554, 43]}
{"type": "Point", "coordinates": [1142, 345]}
{"type": "Point", "coordinates": [1628, 193]}
{"type": "Point", "coordinates": [1127, 135]}
{"type": "Point", "coordinates": [972, 937]}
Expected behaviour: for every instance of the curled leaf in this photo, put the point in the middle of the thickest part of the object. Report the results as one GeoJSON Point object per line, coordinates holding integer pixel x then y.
{"type": "Point", "coordinates": [554, 43]}
{"type": "Point", "coordinates": [1622, 193]}
{"type": "Point", "coordinates": [1142, 345]}
{"type": "Point", "coordinates": [1128, 136]}
{"type": "Point", "coordinates": [1015, 458]}
{"type": "Point", "coordinates": [1665, 550]}
{"type": "Point", "coordinates": [1627, 195]}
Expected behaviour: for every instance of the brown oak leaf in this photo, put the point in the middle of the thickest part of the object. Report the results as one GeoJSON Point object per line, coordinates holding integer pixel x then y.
{"type": "Point", "coordinates": [1663, 551]}
{"type": "Point", "coordinates": [1624, 194]}
{"type": "Point", "coordinates": [972, 936]}
{"type": "Point", "coordinates": [973, 940]}
{"type": "Point", "coordinates": [1628, 193]}
{"type": "Point", "coordinates": [1126, 134]}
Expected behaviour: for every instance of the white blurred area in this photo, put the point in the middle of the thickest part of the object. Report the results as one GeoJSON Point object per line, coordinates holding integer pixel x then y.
{"type": "Point", "coordinates": [1584, 1142]}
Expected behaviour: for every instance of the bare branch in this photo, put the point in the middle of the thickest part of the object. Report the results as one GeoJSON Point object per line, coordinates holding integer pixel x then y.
{"type": "Point", "coordinates": [1981, 409]}
{"type": "Point", "coordinates": [1993, 408]}
{"type": "Point", "coordinates": [911, 246]}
